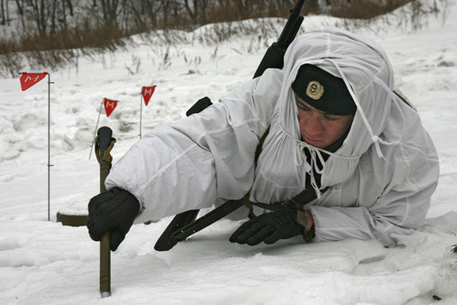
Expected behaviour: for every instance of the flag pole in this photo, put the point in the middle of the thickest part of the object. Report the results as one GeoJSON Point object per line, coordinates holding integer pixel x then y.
{"type": "Point", "coordinates": [28, 80]}
{"type": "Point", "coordinates": [49, 146]}
{"type": "Point", "coordinates": [146, 93]}
{"type": "Point", "coordinates": [141, 111]}
{"type": "Point", "coordinates": [95, 131]}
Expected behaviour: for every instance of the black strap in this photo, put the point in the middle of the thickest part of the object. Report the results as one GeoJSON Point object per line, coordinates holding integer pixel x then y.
{"type": "Point", "coordinates": [403, 99]}
{"type": "Point", "coordinates": [306, 196]}
{"type": "Point", "coordinates": [230, 206]}
{"type": "Point", "coordinates": [184, 224]}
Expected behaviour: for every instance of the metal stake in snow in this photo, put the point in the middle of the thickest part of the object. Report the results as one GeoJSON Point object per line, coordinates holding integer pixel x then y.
{"type": "Point", "coordinates": [28, 80]}
{"type": "Point", "coordinates": [103, 145]}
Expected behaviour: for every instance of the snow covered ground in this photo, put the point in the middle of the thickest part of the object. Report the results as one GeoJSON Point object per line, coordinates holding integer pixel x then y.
{"type": "Point", "coordinates": [43, 262]}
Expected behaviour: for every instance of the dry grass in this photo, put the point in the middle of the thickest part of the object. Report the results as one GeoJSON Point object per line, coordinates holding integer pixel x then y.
{"type": "Point", "coordinates": [61, 48]}
{"type": "Point", "coordinates": [364, 9]}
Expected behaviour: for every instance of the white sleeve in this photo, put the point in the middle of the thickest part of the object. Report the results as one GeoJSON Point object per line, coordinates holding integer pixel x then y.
{"type": "Point", "coordinates": [188, 164]}
{"type": "Point", "coordinates": [400, 209]}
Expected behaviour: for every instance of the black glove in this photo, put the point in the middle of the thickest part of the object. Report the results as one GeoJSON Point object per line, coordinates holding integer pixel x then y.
{"type": "Point", "coordinates": [270, 228]}
{"type": "Point", "coordinates": [112, 211]}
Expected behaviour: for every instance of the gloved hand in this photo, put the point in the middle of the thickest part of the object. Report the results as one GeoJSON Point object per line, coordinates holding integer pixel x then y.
{"type": "Point", "coordinates": [271, 227]}
{"type": "Point", "coordinates": [114, 211]}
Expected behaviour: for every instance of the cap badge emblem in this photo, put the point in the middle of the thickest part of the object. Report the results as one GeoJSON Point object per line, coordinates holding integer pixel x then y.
{"type": "Point", "coordinates": [315, 90]}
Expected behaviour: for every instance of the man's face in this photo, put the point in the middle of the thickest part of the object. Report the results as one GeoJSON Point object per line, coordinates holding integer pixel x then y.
{"type": "Point", "coordinates": [319, 128]}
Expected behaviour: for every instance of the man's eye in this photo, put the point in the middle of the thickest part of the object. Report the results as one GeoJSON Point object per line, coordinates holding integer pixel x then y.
{"type": "Point", "coordinates": [302, 107]}
{"type": "Point", "coordinates": [330, 118]}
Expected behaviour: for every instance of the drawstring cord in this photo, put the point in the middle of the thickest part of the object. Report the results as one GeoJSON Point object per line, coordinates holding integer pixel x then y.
{"type": "Point", "coordinates": [316, 159]}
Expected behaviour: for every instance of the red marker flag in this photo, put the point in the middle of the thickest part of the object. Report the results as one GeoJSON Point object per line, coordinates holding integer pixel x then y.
{"type": "Point", "coordinates": [147, 93]}
{"type": "Point", "coordinates": [109, 106]}
{"type": "Point", "coordinates": [30, 79]}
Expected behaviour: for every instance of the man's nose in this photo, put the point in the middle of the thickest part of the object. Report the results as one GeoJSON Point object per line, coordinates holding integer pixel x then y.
{"type": "Point", "coordinates": [313, 125]}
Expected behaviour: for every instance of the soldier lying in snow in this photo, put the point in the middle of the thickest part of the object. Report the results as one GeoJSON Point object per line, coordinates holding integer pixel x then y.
{"type": "Point", "coordinates": [336, 126]}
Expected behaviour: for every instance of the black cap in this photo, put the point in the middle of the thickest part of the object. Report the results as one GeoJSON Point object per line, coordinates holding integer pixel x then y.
{"type": "Point", "coordinates": [323, 91]}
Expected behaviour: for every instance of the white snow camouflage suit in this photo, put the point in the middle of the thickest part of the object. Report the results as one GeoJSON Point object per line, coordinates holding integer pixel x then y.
{"type": "Point", "coordinates": [380, 180]}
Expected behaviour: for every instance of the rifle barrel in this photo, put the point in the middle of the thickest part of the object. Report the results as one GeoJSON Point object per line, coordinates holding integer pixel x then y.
{"type": "Point", "coordinates": [292, 26]}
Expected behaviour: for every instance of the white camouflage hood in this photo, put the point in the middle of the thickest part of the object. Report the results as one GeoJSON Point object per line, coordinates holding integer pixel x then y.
{"type": "Point", "coordinates": [368, 75]}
